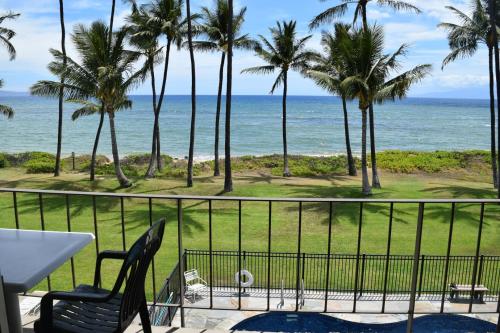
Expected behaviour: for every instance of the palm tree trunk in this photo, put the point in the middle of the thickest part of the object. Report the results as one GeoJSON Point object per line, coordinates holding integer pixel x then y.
{"type": "Point", "coordinates": [350, 159]}
{"type": "Point", "coordinates": [111, 19]}
{"type": "Point", "coordinates": [153, 158]}
{"type": "Point", "coordinates": [96, 144]}
{"type": "Point", "coordinates": [363, 14]}
{"type": "Point", "coordinates": [57, 168]}
{"type": "Point", "coordinates": [373, 152]}
{"type": "Point", "coordinates": [286, 170]}
{"type": "Point", "coordinates": [228, 173]}
{"type": "Point", "coordinates": [493, 17]}
{"type": "Point", "coordinates": [492, 118]}
{"type": "Point", "coordinates": [217, 115]}
{"type": "Point", "coordinates": [160, 102]}
{"type": "Point", "coordinates": [364, 167]}
{"type": "Point", "coordinates": [122, 179]}
{"type": "Point", "coordinates": [193, 98]}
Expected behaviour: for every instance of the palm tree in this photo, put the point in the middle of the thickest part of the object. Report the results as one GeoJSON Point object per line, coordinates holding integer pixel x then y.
{"type": "Point", "coordinates": [61, 92]}
{"type": "Point", "coordinates": [214, 27]}
{"type": "Point", "coordinates": [329, 70]}
{"type": "Point", "coordinates": [369, 84]}
{"type": "Point", "coordinates": [5, 36]}
{"type": "Point", "coordinates": [193, 97]}
{"type": "Point", "coordinates": [285, 52]}
{"type": "Point", "coordinates": [361, 10]}
{"type": "Point", "coordinates": [5, 110]}
{"type": "Point", "coordinates": [340, 10]}
{"type": "Point", "coordinates": [166, 18]}
{"type": "Point", "coordinates": [101, 80]}
{"type": "Point", "coordinates": [493, 12]}
{"type": "Point", "coordinates": [228, 172]}
{"type": "Point", "coordinates": [464, 40]}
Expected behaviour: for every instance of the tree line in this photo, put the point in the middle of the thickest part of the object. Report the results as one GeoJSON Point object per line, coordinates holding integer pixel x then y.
{"type": "Point", "coordinates": [352, 65]}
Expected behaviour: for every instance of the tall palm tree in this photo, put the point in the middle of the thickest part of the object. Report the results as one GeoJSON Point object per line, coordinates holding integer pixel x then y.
{"type": "Point", "coordinates": [193, 96]}
{"type": "Point", "coordinates": [464, 40]}
{"type": "Point", "coordinates": [228, 172]}
{"type": "Point", "coordinates": [5, 40]}
{"type": "Point", "coordinates": [168, 20]}
{"type": "Point", "coordinates": [214, 27]}
{"type": "Point", "coordinates": [61, 92]}
{"type": "Point", "coordinates": [360, 9]}
{"type": "Point", "coordinates": [285, 52]}
{"type": "Point", "coordinates": [493, 12]}
{"type": "Point", "coordinates": [328, 72]}
{"type": "Point", "coordinates": [7, 34]}
{"type": "Point", "coordinates": [370, 84]}
{"type": "Point", "coordinates": [101, 80]}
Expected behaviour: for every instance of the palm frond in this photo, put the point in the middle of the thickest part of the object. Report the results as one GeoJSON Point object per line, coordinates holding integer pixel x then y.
{"type": "Point", "coordinates": [400, 6]}
{"type": "Point", "coordinates": [329, 15]}
{"type": "Point", "coordinates": [259, 70]}
{"type": "Point", "coordinates": [7, 111]}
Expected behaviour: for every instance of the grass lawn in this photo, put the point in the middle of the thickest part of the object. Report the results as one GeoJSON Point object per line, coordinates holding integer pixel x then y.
{"type": "Point", "coordinates": [255, 218]}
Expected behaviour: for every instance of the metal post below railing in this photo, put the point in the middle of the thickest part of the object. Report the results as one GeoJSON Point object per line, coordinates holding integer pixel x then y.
{"type": "Point", "coordinates": [363, 262]}
{"type": "Point", "coordinates": [416, 257]}
{"type": "Point", "coordinates": [180, 250]}
{"type": "Point", "coordinates": [421, 280]}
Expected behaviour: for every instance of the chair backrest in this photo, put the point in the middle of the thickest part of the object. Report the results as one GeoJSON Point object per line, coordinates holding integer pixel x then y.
{"type": "Point", "coordinates": [136, 266]}
{"type": "Point", "coordinates": [4, 324]}
{"type": "Point", "coordinates": [191, 275]}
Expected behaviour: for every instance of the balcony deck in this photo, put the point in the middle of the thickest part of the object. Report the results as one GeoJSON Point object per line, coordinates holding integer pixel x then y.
{"type": "Point", "coordinates": [201, 320]}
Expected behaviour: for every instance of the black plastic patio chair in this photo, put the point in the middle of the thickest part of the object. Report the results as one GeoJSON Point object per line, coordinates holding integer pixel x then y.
{"type": "Point", "coordinates": [92, 309]}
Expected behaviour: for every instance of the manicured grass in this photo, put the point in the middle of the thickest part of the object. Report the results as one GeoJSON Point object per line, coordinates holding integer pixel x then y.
{"type": "Point", "coordinates": [255, 216]}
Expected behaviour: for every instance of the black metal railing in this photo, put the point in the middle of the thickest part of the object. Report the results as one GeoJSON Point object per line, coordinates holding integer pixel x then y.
{"type": "Point", "coordinates": [363, 273]}
{"type": "Point", "coordinates": [313, 268]}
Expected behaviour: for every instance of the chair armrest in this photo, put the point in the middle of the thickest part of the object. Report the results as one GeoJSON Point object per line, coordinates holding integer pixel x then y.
{"type": "Point", "coordinates": [47, 304]}
{"type": "Point", "coordinates": [115, 255]}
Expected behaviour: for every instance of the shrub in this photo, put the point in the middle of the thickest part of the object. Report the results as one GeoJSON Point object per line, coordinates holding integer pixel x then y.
{"type": "Point", "coordinates": [3, 161]}
{"type": "Point", "coordinates": [40, 166]}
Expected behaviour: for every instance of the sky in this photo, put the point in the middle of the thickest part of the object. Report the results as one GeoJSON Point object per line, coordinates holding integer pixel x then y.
{"type": "Point", "coordinates": [38, 30]}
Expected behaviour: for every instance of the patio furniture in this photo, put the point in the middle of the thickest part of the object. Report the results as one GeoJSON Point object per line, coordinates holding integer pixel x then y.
{"type": "Point", "coordinates": [194, 283]}
{"type": "Point", "coordinates": [456, 289]}
{"type": "Point", "coordinates": [27, 257]}
{"type": "Point", "coordinates": [4, 323]}
{"type": "Point", "coordinates": [92, 309]}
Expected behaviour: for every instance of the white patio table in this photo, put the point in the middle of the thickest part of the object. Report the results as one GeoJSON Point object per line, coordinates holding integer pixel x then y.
{"type": "Point", "coordinates": [27, 257]}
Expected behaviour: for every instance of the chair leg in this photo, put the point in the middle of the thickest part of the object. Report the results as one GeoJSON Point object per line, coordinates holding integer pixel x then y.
{"type": "Point", "coordinates": [146, 323]}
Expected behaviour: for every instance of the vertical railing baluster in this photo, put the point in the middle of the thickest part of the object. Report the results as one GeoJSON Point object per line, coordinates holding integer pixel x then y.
{"type": "Point", "coordinates": [422, 272]}
{"type": "Point", "coordinates": [447, 261]}
{"type": "Point", "coordinates": [387, 256]}
{"type": "Point", "coordinates": [180, 251]}
{"type": "Point", "coordinates": [153, 272]}
{"type": "Point", "coordinates": [210, 251]}
{"type": "Point", "coordinates": [414, 277]}
{"type": "Point", "coordinates": [239, 255]}
{"type": "Point", "coordinates": [42, 223]}
{"type": "Point", "coordinates": [68, 225]}
{"type": "Point", "coordinates": [122, 216]}
{"type": "Point", "coordinates": [299, 238]}
{"type": "Point", "coordinates": [358, 252]}
{"type": "Point", "coordinates": [96, 233]}
{"type": "Point", "coordinates": [476, 257]}
{"type": "Point", "coordinates": [362, 284]}
{"type": "Point", "coordinates": [16, 212]}
{"type": "Point", "coordinates": [269, 234]}
{"type": "Point", "coordinates": [327, 282]}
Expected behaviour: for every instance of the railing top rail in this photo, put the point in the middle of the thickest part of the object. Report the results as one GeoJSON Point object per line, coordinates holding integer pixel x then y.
{"type": "Point", "coordinates": [232, 198]}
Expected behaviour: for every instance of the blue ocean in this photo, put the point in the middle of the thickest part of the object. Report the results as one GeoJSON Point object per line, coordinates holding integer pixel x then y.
{"type": "Point", "coordinates": [315, 126]}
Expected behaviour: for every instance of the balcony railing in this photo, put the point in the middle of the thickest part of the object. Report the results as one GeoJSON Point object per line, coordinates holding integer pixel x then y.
{"type": "Point", "coordinates": [357, 273]}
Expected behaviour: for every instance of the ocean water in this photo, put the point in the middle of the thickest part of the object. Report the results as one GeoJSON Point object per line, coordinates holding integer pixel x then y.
{"type": "Point", "coordinates": [315, 126]}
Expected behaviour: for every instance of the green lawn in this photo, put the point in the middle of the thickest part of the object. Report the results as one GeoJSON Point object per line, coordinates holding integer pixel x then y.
{"type": "Point", "coordinates": [255, 216]}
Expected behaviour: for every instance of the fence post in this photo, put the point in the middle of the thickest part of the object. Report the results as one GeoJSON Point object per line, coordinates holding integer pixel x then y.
{"type": "Point", "coordinates": [73, 160]}
{"type": "Point", "coordinates": [416, 257]}
{"type": "Point", "coordinates": [481, 267]}
{"type": "Point", "coordinates": [363, 260]}
{"type": "Point", "coordinates": [181, 256]}
{"type": "Point", "coordinates": [421, 276]}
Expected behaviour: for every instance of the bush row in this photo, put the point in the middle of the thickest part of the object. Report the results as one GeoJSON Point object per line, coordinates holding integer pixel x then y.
{"type": "Point", "coordinates": [303, 166]}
